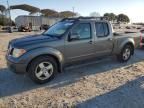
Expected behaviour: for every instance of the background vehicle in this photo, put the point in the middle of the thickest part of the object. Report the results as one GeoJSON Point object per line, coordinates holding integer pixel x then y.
{"type": "Point", "coordinates": [127, 27]}
{"type": "Point", "coordinates": [10, 29]}
{"type": "Point", "coordinates": [142, 38]}
{"type": "Point", "coordinates": [24, 29]}
{"type": "Point", "coordinates": [44, 27]}
{"type": "Point", "coordinates": [67, 42]}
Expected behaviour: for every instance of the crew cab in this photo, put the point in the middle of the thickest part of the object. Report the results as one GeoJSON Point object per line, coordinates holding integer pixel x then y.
{"type": "Point", "coordinates": [69, 41]}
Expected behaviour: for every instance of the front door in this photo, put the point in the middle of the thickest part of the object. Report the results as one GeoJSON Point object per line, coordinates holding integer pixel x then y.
{"type": "Point", "coordinates": [79, 45]}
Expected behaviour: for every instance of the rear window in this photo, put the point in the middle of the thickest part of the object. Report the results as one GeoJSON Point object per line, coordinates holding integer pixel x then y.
{"type": "Point", "coordinates": [102, 29]}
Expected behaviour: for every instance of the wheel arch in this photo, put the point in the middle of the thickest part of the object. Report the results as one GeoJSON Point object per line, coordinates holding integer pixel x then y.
{"type": "Point", "coordinates": [59, 64]}
{"type": "Point", "coordinates": [132, 46]}
{"type": "Point", "coordinates": [119, 56]}
{"type": "Point", "coordinates": [128, 42]}
{"type": "Point", "coordinates": [33, 54]}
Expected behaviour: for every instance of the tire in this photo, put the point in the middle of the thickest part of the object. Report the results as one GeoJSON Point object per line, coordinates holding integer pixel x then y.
{"type": "Point", "coordinates": [121, 57]}
{"type": "Point", "coordinates": [42, 69]}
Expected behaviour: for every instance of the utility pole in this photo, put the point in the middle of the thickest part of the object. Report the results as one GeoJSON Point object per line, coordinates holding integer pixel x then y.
{"type": "Point", "coordinates": [73, 9]}
{"type": "Point", "coordinates": [9, 13]}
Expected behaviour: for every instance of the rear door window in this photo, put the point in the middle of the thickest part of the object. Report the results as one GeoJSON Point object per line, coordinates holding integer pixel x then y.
{"type": "Point", "coordinates": [102, 29]}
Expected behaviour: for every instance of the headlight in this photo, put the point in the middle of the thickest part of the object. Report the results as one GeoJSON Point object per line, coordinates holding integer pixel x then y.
{"type": "Point", "coordinates": [18, 52]}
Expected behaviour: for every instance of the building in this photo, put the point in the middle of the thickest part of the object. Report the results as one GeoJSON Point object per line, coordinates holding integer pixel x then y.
{"type": "Point", "coordinates": [35, 21]}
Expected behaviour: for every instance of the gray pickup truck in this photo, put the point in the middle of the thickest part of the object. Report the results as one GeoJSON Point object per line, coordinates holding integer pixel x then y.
{"type": "Point", "coordinates": [69, 41]}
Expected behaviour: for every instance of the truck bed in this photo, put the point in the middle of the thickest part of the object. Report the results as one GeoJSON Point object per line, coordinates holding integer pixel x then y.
{"type": "Point", "coordinates": [131, 34]}
{"type": "Point", "coordinates": [120, 37]}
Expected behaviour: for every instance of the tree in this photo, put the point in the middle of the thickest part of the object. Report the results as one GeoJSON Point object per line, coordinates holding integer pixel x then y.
{"type": "Point", "coordinates": [2, 8]}
{"type": "Point", "coordinates": [1, 20]}
{"type": "Point", "coordinates": [5, 21]}
{"type": "Point", "coordinates": [123, 18]}
{"type": "Point", "coordinates": [49, 13]}
{"type": "Point", "coordinates": [94, 14]}
{"type": "Point", "coordinates": [77, 14]}
{"type": "Point", "coordinates": [110, 16]}
{"type": "Point", "coordinates": [66, 14]}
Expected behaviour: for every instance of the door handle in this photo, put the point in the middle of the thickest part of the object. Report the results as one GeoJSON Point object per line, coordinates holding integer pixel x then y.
{"type": "Point", "coordinates": [91, 42]}
{"type": "Point", "coordinates": [110, 39]}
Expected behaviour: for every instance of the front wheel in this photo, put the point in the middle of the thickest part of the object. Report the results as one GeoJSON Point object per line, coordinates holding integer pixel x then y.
{"type": "Point", "coordinates": [42, 69]}
{"type": "Point", "coordinates": [125, 54]}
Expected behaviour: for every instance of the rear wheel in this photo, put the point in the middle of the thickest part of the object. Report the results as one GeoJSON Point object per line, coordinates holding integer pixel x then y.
{"type": "Point", "coordinates": [42, 69]}
{"type": "Point", "coordinates": [125, 54]}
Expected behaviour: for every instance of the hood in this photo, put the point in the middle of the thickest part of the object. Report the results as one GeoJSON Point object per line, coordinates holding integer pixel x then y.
{"type": "Point", "coordinates": [34, 39]}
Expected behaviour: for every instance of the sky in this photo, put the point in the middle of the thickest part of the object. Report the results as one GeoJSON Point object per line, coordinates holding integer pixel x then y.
{"type": "Point", "coordinates": [133, 8]}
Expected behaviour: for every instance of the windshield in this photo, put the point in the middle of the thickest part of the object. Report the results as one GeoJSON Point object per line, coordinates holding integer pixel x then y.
{"type": "Point", "coordinates": [58, 29]}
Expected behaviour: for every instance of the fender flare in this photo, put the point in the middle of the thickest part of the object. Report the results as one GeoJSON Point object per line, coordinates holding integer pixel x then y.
{"type": "Point", "coordinates": [127, 41]}
{"type": "Point", "coordinates": [29, 56]}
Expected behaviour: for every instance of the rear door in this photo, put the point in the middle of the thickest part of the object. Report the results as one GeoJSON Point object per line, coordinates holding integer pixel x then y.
{"type": "Point", "coordinates": [82, 48]}
{"type": "Point", "coordinates": [104, 40]}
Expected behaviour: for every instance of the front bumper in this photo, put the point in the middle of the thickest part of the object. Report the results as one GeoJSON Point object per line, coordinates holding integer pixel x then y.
{"type": "Point", "coordinates": [17, 68]}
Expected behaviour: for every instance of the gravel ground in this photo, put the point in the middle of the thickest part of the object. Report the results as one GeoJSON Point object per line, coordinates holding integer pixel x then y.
{"type": "Point", "coordinates": [107, 84]}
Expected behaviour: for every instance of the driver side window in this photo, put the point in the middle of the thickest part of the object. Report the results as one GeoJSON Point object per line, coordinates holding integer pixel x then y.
{"type": "Point", "coordinates": [82, 30]}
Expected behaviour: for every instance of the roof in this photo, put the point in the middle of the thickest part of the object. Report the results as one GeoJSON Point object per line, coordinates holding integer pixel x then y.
{"type": "Point", "coordinates": [84, 18]}
{"type": "Point", "coordinates": [26, 7]}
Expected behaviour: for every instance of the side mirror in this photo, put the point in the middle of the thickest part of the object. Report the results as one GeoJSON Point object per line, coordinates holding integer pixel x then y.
{"type": "Point", "coordinates": [74, 36]}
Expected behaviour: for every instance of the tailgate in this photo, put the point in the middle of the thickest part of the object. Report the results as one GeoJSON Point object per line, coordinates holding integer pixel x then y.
{"type": "Point", "coordinates": [137, 39]}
